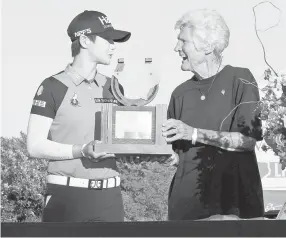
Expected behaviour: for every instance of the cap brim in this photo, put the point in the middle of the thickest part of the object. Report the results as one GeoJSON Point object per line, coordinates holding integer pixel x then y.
{"type": "Point", "coordinates": [115, 35]}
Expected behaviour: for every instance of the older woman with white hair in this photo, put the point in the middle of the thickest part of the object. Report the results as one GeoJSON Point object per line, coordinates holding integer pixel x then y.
{"type": "Point", "coordinates": [213, 126]}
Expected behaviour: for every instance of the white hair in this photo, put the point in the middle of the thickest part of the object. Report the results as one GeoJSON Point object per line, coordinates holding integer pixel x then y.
{"type": "Point", "coordinates": [208, 26]}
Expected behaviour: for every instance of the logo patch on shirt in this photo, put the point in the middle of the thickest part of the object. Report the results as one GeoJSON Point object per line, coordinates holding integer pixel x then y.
{"type": "Point", "coordinates": [223, 92]}
{"type": "Point", "coordinates": [74, 100]}
{"type": "Point", "coordinates": [39, 103]}
{"type": "Point", "coordinates": [106, 100]}
{"type": "Point", "coordinates": [40, 90]}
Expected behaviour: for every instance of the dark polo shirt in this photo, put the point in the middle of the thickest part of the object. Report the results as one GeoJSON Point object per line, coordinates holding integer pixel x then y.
{"type": "Point", "coordinates": [210, 180]}
{"type": "Point", "coordinates": [75, 107]}
{"type": "Point", "coordinates": [232, 86]}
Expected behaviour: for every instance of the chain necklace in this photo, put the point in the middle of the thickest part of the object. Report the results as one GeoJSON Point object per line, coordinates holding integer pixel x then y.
{"type": "Point", "coordinates": [203, 96]}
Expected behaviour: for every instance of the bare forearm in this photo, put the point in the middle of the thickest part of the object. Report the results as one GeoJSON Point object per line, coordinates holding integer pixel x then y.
{"type": "Point", "coordinates": [232, 141]}
{"type": "Point", "coordinates": [174, 130]}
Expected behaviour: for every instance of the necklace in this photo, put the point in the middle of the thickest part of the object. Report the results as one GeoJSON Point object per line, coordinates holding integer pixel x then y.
{"type": "Point", "coordinates": [203, 97]}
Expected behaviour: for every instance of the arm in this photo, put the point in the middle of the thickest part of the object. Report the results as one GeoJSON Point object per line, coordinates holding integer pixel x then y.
{"type": "Point", "coordinates": [246, 126]}
{"type": "Point", "coordinates": [45, 105]}
{"type": "Point", "coordinates": [231, 141]}
{"type": "Point", "coordinates": [40, 147]}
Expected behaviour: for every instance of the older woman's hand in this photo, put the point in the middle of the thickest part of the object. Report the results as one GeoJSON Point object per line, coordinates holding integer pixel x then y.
{"type": "Point", "coordinates": [174, 130]}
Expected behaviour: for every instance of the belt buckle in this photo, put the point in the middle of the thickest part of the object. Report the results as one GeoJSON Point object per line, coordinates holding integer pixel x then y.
{"type": "Point", "coordinates": [95, 184]}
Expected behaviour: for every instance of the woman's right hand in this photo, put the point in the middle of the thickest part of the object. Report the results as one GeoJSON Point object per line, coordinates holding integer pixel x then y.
{"type": "Point", "coordinates": [88, 151]}
{"type": "Point", "coordinates": [173, 160]}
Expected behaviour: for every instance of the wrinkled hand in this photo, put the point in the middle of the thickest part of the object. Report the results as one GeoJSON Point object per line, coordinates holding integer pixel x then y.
{"type": "Point", "coordinates": [175, 160]}
{"type": "Point", "coordinates": [177, 129]}
{"type": "Point", "coordinates": [89, 152]}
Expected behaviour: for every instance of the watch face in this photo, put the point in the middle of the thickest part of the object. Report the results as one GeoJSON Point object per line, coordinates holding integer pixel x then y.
{"type": "Point", "coordinates": [139, 80]}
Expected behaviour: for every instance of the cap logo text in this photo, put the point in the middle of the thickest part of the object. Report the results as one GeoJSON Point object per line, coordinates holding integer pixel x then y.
{"type": "Point", "coordinates": [82, 32]}
{"type": "Point", "coordinates": [105, 22]}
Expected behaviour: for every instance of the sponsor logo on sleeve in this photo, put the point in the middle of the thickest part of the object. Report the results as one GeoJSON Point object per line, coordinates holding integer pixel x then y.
{"type": "Point", "coordinates": [39, 103]}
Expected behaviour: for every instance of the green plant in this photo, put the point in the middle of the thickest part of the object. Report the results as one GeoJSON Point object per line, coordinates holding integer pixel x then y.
{"type": "Point", "coordinates": [145, 189]}
{"type": "Point", "coordinates": [144, 185]}
{"type": "Point", "coordinates": [273, 112]}
{"type": "Point", "coordinates": [22, 181]}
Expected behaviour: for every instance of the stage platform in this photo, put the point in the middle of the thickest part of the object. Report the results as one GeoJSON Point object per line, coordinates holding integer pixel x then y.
{"type": "Point", "coordinates": [246, 228]}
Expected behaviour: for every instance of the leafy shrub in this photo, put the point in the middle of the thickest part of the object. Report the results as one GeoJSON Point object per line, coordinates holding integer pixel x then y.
{"type": "Point", "coordinates": [145, 189]}
{"type": "Point", "coordinates": [22, 182]}
{"type": "Point", "coordinates": [144, 186]}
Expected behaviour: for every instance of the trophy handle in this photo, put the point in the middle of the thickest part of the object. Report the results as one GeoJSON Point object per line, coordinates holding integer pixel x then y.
{"type": "Point", "coordinates": [127, 101]}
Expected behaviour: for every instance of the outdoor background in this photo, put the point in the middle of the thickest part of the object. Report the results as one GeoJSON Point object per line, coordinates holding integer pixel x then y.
{"type": "Point", "coordinates": [35, 46]}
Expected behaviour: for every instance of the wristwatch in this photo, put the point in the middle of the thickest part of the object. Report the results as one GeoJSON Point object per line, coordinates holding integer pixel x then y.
{"type": "Point", "coordinates": [194, 136]}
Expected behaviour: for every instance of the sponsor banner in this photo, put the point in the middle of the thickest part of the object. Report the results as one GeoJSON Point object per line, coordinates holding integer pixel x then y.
{"type": "Point", "coordinates": [273, 180]}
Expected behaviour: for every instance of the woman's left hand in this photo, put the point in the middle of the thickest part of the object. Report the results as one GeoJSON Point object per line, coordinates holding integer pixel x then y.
{"type": "Point", "coordinates": [177, 129]}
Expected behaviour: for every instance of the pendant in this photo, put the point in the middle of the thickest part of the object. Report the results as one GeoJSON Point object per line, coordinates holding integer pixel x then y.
{"type": "Point", "coordinates": [203, 97]}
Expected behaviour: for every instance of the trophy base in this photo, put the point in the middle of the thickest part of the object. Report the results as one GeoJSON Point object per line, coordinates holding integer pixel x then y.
{"type": "Point", "coordinates": [125, 149]}
{"type": "Point", "coordinates": [132, 130]}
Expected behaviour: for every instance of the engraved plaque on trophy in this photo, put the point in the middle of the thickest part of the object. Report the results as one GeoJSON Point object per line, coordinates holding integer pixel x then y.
{"type": "Point", "coordinates": [134, 128]}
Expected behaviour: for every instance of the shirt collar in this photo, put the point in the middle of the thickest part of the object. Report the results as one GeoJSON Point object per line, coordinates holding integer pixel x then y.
{"type": "Point", "coordinates": [75, 76]}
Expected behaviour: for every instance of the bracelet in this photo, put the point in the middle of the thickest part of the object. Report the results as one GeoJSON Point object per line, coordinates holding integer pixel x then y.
{"type": "Point", "coordinates": [194, 136]}
{"type": "Point", "coordinates": [81, 151]}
